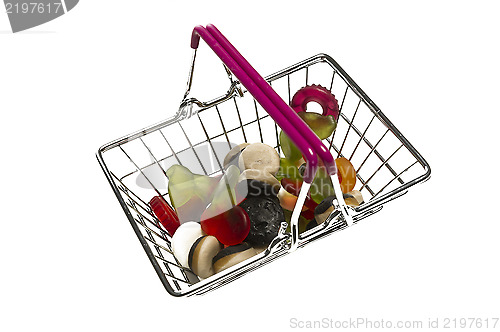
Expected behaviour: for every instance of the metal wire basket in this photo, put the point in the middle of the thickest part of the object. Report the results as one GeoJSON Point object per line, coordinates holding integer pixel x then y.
{"type": "Point", "coordinates": [201, 134]}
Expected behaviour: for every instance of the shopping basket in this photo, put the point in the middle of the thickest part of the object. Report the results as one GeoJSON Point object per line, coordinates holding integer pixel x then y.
{"type": "Point", "coordinates": [202, 133]}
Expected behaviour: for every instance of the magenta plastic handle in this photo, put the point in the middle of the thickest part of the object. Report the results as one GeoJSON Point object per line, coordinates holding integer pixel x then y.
{"type": "Point", "coordinates": [302, 144]}
{"type": "Point", "coordinates": [294, 120]}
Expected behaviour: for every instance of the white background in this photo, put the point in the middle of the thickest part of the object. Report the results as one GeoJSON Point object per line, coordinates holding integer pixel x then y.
{"type": "Point", "coordinates": [69, 258]}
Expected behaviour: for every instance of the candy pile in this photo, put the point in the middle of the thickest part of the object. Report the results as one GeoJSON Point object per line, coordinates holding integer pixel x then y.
{"type": "Point", "coordinates": [217, 222]}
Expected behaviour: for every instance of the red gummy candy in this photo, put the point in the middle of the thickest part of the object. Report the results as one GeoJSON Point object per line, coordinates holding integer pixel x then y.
{"type": "Point", "coordinates": [230, 227]}
{"type": "Point", "coordinates": [308, 214]}
{"type": "Point", "coordinates": [165, 214]}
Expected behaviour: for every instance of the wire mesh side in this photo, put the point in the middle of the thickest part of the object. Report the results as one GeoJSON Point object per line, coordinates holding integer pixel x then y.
{"type": "Point", "coordinates": [138, 168]}
{"type": "Point", "coordinates": [386, 163]}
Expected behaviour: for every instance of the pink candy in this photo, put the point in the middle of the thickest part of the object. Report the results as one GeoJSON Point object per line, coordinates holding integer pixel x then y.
{"type": "Point", "coordinates": [318, 94]}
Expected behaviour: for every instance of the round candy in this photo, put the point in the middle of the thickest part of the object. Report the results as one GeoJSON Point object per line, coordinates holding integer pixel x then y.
{"type": "Point", "coordinates": [353, 198]}
{"type": "Point", "coordinates": [318, 94]}
{"type": "Point", "coordinates": [247, 188]}
{"type": "Point", "coordinates": [323, 210]}
{"type": "Point", "coordinates": [266, 216]}
{"type": "Point", "coordinates": [259, 156]}
{"type": "Point", "coordinates": [233, 155]}
{"type": "Point", "coordinates": [229, 227]}
{"type": "Point", "coordinates": [183, 239]}
{"type": "Point", "coordinates": [201, 254]}
{"type": "Point", "coordinates": [165, 214]}
{"type": "Point", "coordinates": [262, 176]}
{"type": "Point", "coordinates": [232, 255]}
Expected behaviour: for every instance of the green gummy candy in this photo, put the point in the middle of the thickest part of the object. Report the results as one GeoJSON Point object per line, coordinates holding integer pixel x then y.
{"type": "Point", "coordinates": [321, 186]}
{"type": "Point", "coordinates": [180, 184]}
{"type": "Point", "coordinates": [289, 149]}
{"type": "Point", "coordinates": [204, 187]}
{"type": "Point", "coordinates": [183, 186]}
{"type": "Point", "coordinates": [323, 126]}
{"type": "Point", "coordinates": [288, 170]}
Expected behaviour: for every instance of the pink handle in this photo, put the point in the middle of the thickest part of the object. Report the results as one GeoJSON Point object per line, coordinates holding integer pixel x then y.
{"type": "Point", "coordinates": [304, 146]}
{"type": "Point", "coordinates": [294, 120]}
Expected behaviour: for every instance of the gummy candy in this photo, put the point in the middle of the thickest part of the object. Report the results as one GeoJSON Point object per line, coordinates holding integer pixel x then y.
{"type": "Point", "coordinates": [293, 187]}
{"type": "Point", "coordinates": [189, 193]}
{"type": "Point", "coordinates": [346, 170]}
{"type": "Point", "coordinates": [224, 219]}
{"type": "Point", "coordinates": [224, 194]}
{"type": "Point", "coordinates": [321, 186]}
{"type": "Point", "coordinates": [308, 214]}
{"type": "Point", "coordinates": [322, 126]}
{"type": "Point", "coordinates": [165, 214]}
{"type": "Point", "coordinates": [230, 227]}
{"type": "Point", "coordinates": [290, 151]}
{"type": "Point", "coordinates": [288, 169]}
{"type": "Point", "coordinates": [319, 94]}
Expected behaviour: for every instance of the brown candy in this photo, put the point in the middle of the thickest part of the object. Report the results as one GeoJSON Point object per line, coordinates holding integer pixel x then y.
{"type": "Point", "coordinates": [201, 254]}
{"type": "Point", "coordinates": [324, 209]}
{"type": "Point", "coordinates": [353, 198]}
{"type": "Point", "coordinates": [259, 156]}
{"type": "Point", "coordinates": [232, 255]}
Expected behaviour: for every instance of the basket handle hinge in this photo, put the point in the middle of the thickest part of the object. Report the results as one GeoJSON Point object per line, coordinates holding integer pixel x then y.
{"type": "Point", "coordinates": [341, 210]}
{"type": "Point", "coordinates": [187, 108]}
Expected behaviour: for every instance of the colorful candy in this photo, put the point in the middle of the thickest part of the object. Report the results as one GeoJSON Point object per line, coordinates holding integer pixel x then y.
{"type": "Point", "coordinates": [165, 214]}
{"type": "Point", "coordinates": [293, 187]}
{"type": "Point", "coordinates": [323, 126]}
{"type": "Point", "coordinates": [303, 222]}
{"type": "Point", "coordinates": [223, 218]}
{"type": "Point", "coordinates": [348, 174]}
{"type": "Point", "coordinates": [222, 221]}
{"type": "Point", "coordinates": [189, 193]}
{"type": "Point", "coordinates": [224, 195]}
{"type": "Point", "coordinates": [229, 227]}
{"type": "Point", "coordinates": [318, 94]}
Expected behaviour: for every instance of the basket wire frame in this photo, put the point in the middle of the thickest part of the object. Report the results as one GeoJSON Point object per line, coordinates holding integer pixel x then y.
{"type": "Point", "coordinates": [386, 163]}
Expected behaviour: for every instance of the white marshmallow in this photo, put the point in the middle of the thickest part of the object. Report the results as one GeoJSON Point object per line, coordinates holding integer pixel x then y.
{"type": "Point", "coordinates": [183, 240]}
